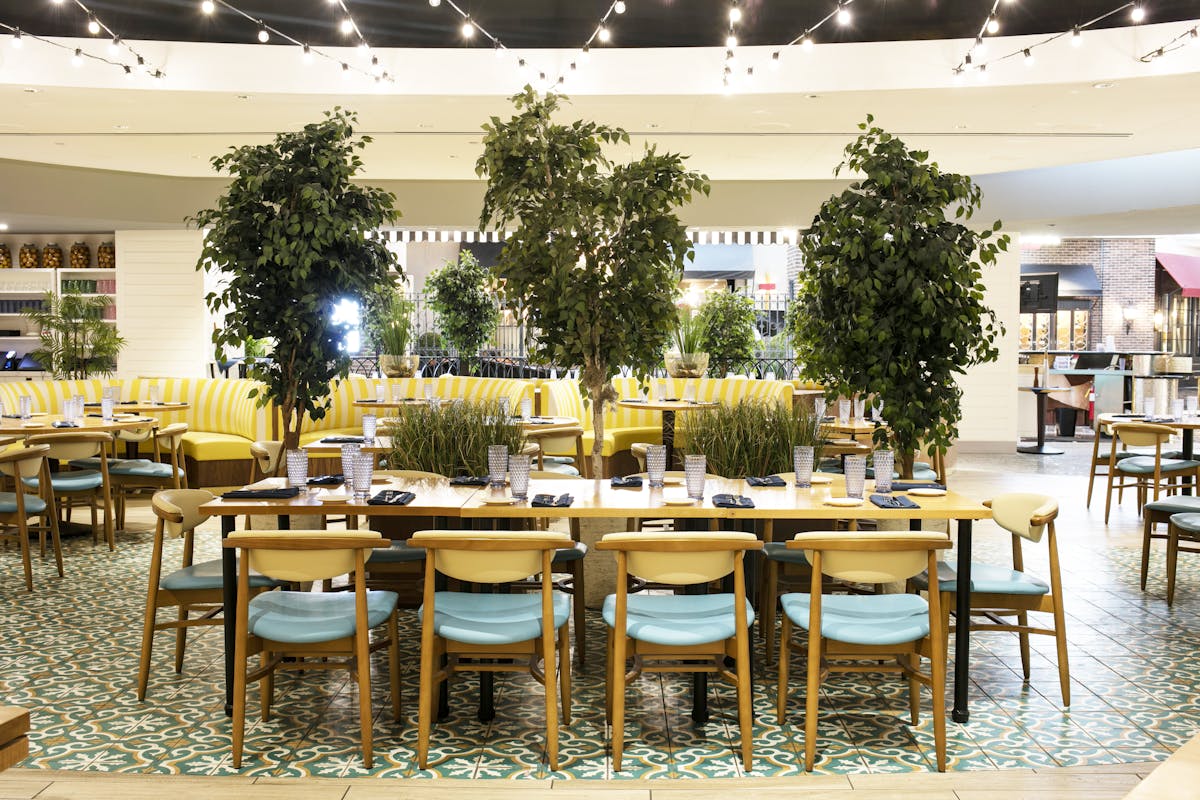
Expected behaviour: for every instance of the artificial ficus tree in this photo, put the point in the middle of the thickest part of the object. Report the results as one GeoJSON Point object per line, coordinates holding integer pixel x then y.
{"type": "Point", "coordinates": [595, 250]}
{"type": "Point", "coordinates": [727, 319]}
{"type": "Point", "coordinates": [291, 236]}
{"type": "Point", "coordinates": [890, 300]}
{"type": "Point", "coordinates": [461, 297]}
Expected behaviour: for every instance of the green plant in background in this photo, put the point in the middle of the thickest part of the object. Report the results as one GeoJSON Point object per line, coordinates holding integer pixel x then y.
{"type": "Point", "coordinates": [459, 294]}
{"type": "Point", "coordinates": [395, 326]}
{"type": "Point", "coordinates": [451, 440]}
{"type": "Point", "coordinates": [255, 348]}
{"type": "Point", "coordinates": [690, 332]}
{"type": "Point", "coordinates": [890, 301]}
{"type": "Point", "coordinates": [751, 438]}
{"type": "Point", "coordinates": [595, 250]}
{"type": "Point", "coordinates": [291, 237]}
{"type": "Point", "coordinates": [74, 341]}
{"type": "Point", "coordinates": [727, 319]}
{"type": "Point", "coordinates": [430, 341]}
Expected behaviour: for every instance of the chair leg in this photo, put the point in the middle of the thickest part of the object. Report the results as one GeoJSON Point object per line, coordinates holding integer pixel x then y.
{"type": "Point", "coordinates": [180, 639]}
{"type": "Point", "coordinates": [147, 647]}
{"type": "Point", "coordinates": [1147, 530]}
{"type": "Point", "coordinates": [785, 650]}
{"type": "Point", "coordinates": [914, 688]}
{"type": "Point", "coordinates": [239, 698]}
{"type": "Point", "coordinates": [1108, 498]}
{"type": "Point", "coordinates": [608, 679]}
{"type": "Point", "coordinates": [564, 674]}
{"type": "Point", "coordinates": [50, 520]}
{"type": "Point", "coordinates": [767, 606]}
{"type": "Point", "coordinates": [617, 679]}
{"type": "Point", "coordinates": [549, 668]}
{"type": "Point", "coordinates": [745, 700]}
{"type": "Point", "coordinates": [425, 702]}
{"type": "Point", "coordinates": [580, 611]}
{"type": "Point", "coordinates": [362, 657]}
{"type": "Point", "coordinates": [811, 700]}
{"type": "Point", "coordinates": [1023, 638]}
{"type": "Point", "coordinates": [266, 689]}
{"type": "Point", "coordinates": [394, 664]}
{"type": "Point", "coordinates": [1060, 640]}
{"type": "Point", "coordinates": [1172, 560]}
{"type": "Point", "coordinates": [23, 536]}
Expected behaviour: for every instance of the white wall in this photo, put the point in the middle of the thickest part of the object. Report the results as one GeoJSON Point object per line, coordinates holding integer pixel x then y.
{"type": "Point", "coordinates": [160, 304]}
{"type": "Point", "coordinates": [990, 421]}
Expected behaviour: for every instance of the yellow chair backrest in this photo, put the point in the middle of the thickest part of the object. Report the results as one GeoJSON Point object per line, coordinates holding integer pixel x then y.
{"type": "Point", "coordinates": [325, 560]}
{"type": "Point", "coordinates": [488, 556]}
{"type": "Point", "coordinates": [706, 557]}
{"type": "Point", "coordinates": [23, 462]}
{"type": "Point", "coordinates": [70, 446]}
{"type": "Point", "coordinates": [1142, 434]}
{"type": "Point", "coordinates": [180, 508]}
{"type": "Point", "coordinates": [267, 455]}
{"type": "Point", "coordinates": [1024, 513]}
{"type": "Point", "coordinates": [870, 556]}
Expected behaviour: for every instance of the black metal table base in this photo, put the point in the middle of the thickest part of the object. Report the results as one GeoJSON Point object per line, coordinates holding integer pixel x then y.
{"type": "Point", "coordinates": [1040, 450]}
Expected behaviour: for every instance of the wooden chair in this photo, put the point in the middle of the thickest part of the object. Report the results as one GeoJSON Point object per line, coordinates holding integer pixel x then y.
{"type": "Point", "coordinates": [1159, 512]}
{"type": "Point", "coordinates": [266, 457]}
{"type": "Point", "coordinates": [1100, 460]}
{"type": "Point", "coordinates": [191, 587]}
{"type": "Point", "coordinates": [129, 475]}
{"type": "Point", "coordinates": [1183, 536]}
{"type": "Point", "coordinates": [998, 592]}
{"type": "Point", "coordinates": [679, 633]}
{"type": "Point", "coordinates": [17, 506]}
{"type": "Point", "coordinates": [1149, 472]}
{"type": "Point", "coordinates": [279, 624]}
{"type": "Point", "coordinates": [493, 632]}
{"type": "Point", "coordinates": [559, 439]}
{"type": "Point", "coordinates": [860, 627]}
{"type": "Point", "coordinates": [92, 485]}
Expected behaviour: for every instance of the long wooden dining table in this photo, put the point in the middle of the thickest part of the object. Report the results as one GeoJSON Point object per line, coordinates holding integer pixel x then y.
{"type": "Point", "coordinates": [598, 499]}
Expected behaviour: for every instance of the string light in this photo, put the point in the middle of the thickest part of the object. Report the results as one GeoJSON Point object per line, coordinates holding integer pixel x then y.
{"type": "Point", "coordinates": [208, 6]}
{"type": "Point", "coordinates": [735, 14]}
{"type": "Point", "coordinates": [16, 38]}
{"type": "Point", "coordinates": [731, 40]}
{"type": "Point", "coordinates": [93, 26]}
{"type": "Point", "coordinates": [1137, 13]}
{"type": "Point", "coordinates": [619, 6]}
{"type": "Point", "coordinates": [114, 46]}
{"type": "Point", "coordinates": [77, 58]}
{"type": "Point", "coordinates": [264, 35]}
{"type": "Point", "coordinates": [993, 24]}
{"type": "Point", "coordinates": [347, 26]}
{"type": "Point", "coordinates": [843, 14]}
{"type": "Point", "coordinates": [434, 3]}
{"type": "Point", "coordinates": [468, 30]}
{"type": "Point", "coordinates": [603, 34]}
{"type": "Point", "coordinates": [1028, 57]}
{"type": "Point", "coordinates": [1184, 39]}
{"type": "Point", "coordinates": [306, 54]}
{"type": "Point", "coordinates": [1076, 37]}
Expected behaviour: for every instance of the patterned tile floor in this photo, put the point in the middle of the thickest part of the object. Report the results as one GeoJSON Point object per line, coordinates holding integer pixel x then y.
{"type": "Point", "coordinates": [69, 653]}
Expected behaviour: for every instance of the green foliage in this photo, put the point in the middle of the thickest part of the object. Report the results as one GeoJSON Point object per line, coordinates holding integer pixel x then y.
{"type": "Point", "coordinates": [596, 250]}
{"type": "Point", "coordinates": [430, 340]}
{"type": "Point", "coordinates": [690, 332]}
{"type": "Point", "coordinates": [75, 342]}
{"type": "Point", "coordinates": [290, 236]}
{"type": "Point", "coordinates": [451, 440]}
{"type": "Point", "coordinates": [728, 322]}
{"type": "Point", "coordinates": [255, 348]}
{"type": "Point", "coordinates": [750, 438]}
{"type": "Point", "coordinates": [391, 325]}
{"type": "Point", "coordinates": [466, 310]}
{"type": "Point", "coordinates": [890, 302]}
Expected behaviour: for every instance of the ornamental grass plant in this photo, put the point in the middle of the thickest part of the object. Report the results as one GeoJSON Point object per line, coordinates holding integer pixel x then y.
{"type": "Point", "coordinates": [452, 439]}
{"type": "Point", "coordinates": [751, 438]}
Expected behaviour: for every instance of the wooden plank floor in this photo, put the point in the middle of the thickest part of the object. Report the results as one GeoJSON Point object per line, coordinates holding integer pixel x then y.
{"type": "Point", "coordinates": [1084, 783]}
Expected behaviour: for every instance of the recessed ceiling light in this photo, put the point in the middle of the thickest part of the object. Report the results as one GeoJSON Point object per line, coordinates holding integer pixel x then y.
{"type": "Point", "coordinates": [121, 127]}
{"type": "Point", "coordinates": [1103, 85]}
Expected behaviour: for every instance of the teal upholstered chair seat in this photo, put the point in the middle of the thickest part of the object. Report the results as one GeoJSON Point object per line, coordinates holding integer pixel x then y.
{"type": "Point", "coordinates": [33, 503]}
{"type": "Point", "coordinates": [144, 468]}
{"type": "Point", "coordinates": [986, 579]}
{"type": "Point", "coordinates": [304, 617]}
{"type": "Point", "coordinates": [84, 480]}
{"type": "Point", "coordinates": [1176, 504]}
{"type": "Point", "coordinates": [678, 620]}
{"type": "Point", "coordinates": [778, 551]}
{"type": "Point", "coordinates": [398, 553]}
{"type": "Point", "coordinates": [1188, 523]}
{"type": "Point", "coordinates": [881, 619]}
{"type": "Point", "coordinates": [1144, 465]}
{"type": "Point", "coordinates": [207, 575]}
{"type": "Point", "coordinates": [493, 619]}
{"type": "Point", "coordinates": [563, 465]}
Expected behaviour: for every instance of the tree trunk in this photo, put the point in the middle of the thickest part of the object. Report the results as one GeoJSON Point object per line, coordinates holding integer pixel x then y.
{"type": "Point", "coordinates": [904, 461]}
{"type": "Point", "coordinates": [600, 392]}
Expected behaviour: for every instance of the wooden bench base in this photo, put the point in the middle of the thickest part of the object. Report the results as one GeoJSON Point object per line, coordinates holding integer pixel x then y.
{"type": "Point", "coordinates": [14, 743]}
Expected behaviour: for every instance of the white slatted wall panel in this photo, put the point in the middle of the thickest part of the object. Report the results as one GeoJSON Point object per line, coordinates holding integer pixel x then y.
{"type": "Point", "coordinates": [160, 304]}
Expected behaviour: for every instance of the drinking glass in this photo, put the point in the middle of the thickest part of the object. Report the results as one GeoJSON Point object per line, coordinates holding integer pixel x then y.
{"type": "Point", "coordinates": [660, 390]}
{"type": "Point", "coordinates": [1191, 404]}
{"type": "Point", "coordinates": [693, 475]}
{"type": "Point", "coordinates": [526, 408]}
{"type": "Point", "coordinates": [26, 407]}
{"type": "Point", "coordinates": [885, 462]}
{"type": "Point", "coordinates": [154, 394]}
{"type": "Point", "coordinates": [1177, 408]}
{"type": "Point", "coordinates": [379, 392]}
{"type": "Point", "coordinates": [877, 413]}
{"type": "Point", "coordinates": [79, 408]}
{"type": "Point", "coordinates": [429, 390]}
{"type": "Point", "coordinates": [656, 464]}
{"type": "Point", "coordinates": [802, 460]}
{"type": "Point", "coordinates": [819, 408]}
{"type": "Point", "coordinates": [497, 456]}
{"type": "Point", "coordinates": [349, 451]}
{"type": "Point", "coordinates": [369, 424]}
{"type": "Point", "coordinates": [504, 408]}
{"type": "Point", "coordinates": [1147, 406]}
{"type": "Point", "coordinates": [297, 467]}
{"type": "Point", "coordinates": [364, 471]}
{"type": "Point", "coordinates": [106, 408]}
{"type": "Point", "coordinates": [843, 411]}
{"type": "Point", "coordinates": [689, 392]}
{"type": "Point", "coordinates": [856, 475]}
{"type": "Point", "coordinates": [518, 476]}
{"type": "Point", "coordinates": [397, 393]}
{"type": "Point", "coordinates": [860, 406]}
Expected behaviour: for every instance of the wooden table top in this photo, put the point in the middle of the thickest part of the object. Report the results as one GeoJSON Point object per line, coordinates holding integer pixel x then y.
{"type": "Point", "coordinates": [1187, 423]}
{"type": "Point", "coordinates": [667, 405]}
{"type": "Point", "coordinates": [142, 407]}
{"type": "Point", "coordinates": [392, 403]}
{"type": "Point", "coordinates": [853, 427]}
{"type": "Point", "coordinates": [43, 423]}
{"type": "Point", "coordinates": [434, 497]}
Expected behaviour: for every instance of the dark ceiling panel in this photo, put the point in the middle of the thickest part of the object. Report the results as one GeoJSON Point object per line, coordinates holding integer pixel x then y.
{"type": "Point", "coordinates": [567, 23]}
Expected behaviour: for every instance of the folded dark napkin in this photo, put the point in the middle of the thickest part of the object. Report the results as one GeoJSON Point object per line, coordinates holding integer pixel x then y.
{"type": "Point", "coordinates": [469, 480]}
{"type": "Point", "coordinates": [343, 440]}
{"type": "Point", "coordinates": [98, 416]}
{"type": "Point", "coordinates": [633, 400]}
{"type": "Point", "coordinates": [392, 497]}
{"type": "Point", "coordinates": [368, 400]}
{"type": "Point", "coordinates": [732, 501]}
{"type": "Point", "coordinates": [62, 423]}
{"type": "Point", "coordinates": [904, 486]}
{"type": "Point", "coordinates": [327, 480]}
{"type": "Point", "coordinates": [887, 501]}
{"type": "Point", "coordinates": [12, 416]}
{"type": "Point", "coordinates": [263, 494]}
{"type": "Point", "coordinates": [769, 480]}
{"type": "Point", "coordinates": [629, 482]}
{"type": "Point", "coordinates": [550, 501]}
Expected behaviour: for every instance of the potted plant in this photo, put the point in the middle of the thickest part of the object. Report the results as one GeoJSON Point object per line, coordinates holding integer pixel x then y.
{"type": "Point", "coordinates": [291, 236]}
{"type": "Point", "coordinates": [390, 330]}
{"type": "Point", "coordinates": [890, 300]}
{"type": "Point", "coordinates": [451, 440]}
{"type": "Point", "coordinates": [595, 250]}
{"type": "Point", "coordinates": [688, 359]}
{"type": "Point", "coordinates": [74, 341]}
{"type": "Point", "coordinates": [752, 438]}
{"type": "Point", "coordinates": [461, 298]}
{"type": "Point", "coordinates": [727, 319]}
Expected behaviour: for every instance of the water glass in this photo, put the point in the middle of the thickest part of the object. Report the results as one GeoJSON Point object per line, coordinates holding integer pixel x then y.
{"type": "Point", "coordinates": [860, 406]}
{"type": "Point", "coordinates": [155, 395]}
{"type": "Point", "coordinates": [1147, 406]}
{"type": "Point", "coordinates": [80, 405]}
{"type": "Point", "coordinates": [856, 475]}
{"type": "Point", "coordinates": [526, 408]}
{"type": "Point", "coordinates": [885, 462]}
{"type": "Point", "coordinates": [843, 411]}
{"type": "Point", "coordinates": [364, 472]}
{"type": "Point", "coordinates": [1177, 408]}
{"type": "Point", "coordinates": [819, 408]}
{"type": "Point", "coordinates": [497, 456]}
{"type": "Point", "coordinates": [370, 421]}
{"type": "Point", "coordinates": [26, 407]}
{"type": "Point", "coordinates": [429, 391]}
{"type": "Point", "coordinates": [397, 393]}
{"type": "Point", "coordinates": [380, 394]}
{"type": "Point", "coordinates": [1191, 402]}
{"type": "Point", "coordinates": [297, 467]}
{"type": "Point", "coordinates": [106, 408]}
{"type": "Point", "coordinates": [802, 460]}
{"type": "Point", "coordinates": [518, 476]}
{"type": "Point", "coordinates": [656, 464]}
{"type": "Point", "coordinates": [689, 392]}
{"type": "Point", "coordinates": [694, 468]}
{"type": "Point", "coordinates": [349, 451]}
{"type": "Point", "coordinates": [660, 390]}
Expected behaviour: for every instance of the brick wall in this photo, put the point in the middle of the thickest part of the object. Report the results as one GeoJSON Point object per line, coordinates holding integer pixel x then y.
{"type": "Point", "coordinates": [1125, 268]}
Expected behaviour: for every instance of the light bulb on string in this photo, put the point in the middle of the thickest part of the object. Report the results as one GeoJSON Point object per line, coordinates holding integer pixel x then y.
{"type": "Point", "coordinates": [363, 46]}
{"type": "Point", "coordinates": [522, 67]}
{"type": "Point", "coordinates": [619, 6]}
{"type": "Point", "coordinates": [114, 47]}
{"type": "Point", "coordinates": [731, 41]}
{"type": "Point", "coordinates": [775, 60]}
{"type": "Point", "coordinates": [967, 60]}
{"type": "Point", "coordinates": [77, 58]}
{"type": "Point", "coordinates": [843, 14]}
{"type": "Point", "coordinates": [980, 45]}
{"type": "Point", "coordinates": [585, 54]}
{"type": "Point", "coordinates": [306, 54]}
{"type": "Point", "coordinates": [735, 14]}
{"type": "Point", "coordinates": [468, 28]}
{"type": "Point", "coordinates": [435, 3]}
{"type": "Point", "coordinates": [376, 69]}
{"type": "Point", "coordinates": [1194, 35]}
{"type": "Point", "coordinates": [345, 70]}
{"type": "Point", "coordinates": [16, 38]}
{"type": "Point", "coordinates": [128, 72]}
{"type": "Point", "coordinates": [93, 26]}
{"type": "Point", "coordinates": [981, 73]}
{"type": "Point", "coordinates": [806, 41]}
{"type": "Point", "coordinates": [1028, 57]}
{"type": "Point", "coordinates": [604, 35]}
{"type": "Point", "coordinates": [208, 6]}
{"type": "Point", "coordinates": [498, 49]}
{"type": "Point", "coordinates": [1137, 13]}
{"type": "Point", "coordinates": [263, 35]}
{"type": "Point", "coordinates": [347, 26]}
{"type": "Point", "coordinates": [993, 24]}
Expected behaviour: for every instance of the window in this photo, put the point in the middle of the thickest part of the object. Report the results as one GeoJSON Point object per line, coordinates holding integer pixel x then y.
{"type": "Point", "coordinates": [347, 312]}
